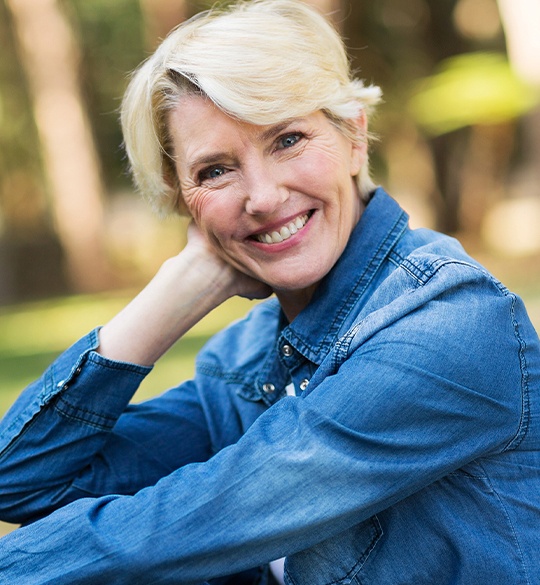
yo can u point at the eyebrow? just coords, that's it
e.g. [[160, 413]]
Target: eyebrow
[[209, 159], [218, 157], [278, 128]]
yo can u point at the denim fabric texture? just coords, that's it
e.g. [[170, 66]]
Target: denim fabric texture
[[410, 454]]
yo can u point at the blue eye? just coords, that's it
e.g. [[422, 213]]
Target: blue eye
[[289, 140], [211, 173], [216, 172]]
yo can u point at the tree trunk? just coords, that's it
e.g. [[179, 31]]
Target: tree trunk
[[50, 58], [520, 21]]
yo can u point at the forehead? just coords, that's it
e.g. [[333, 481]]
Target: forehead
[[196, 119], [202, 132]]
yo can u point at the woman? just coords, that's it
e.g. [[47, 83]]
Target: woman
[[376, 422]]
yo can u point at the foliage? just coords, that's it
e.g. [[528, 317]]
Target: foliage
[[419, 44], [475, 88], [111, 40], [20, 162]]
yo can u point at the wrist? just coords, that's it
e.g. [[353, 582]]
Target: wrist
[[185, 289], [199, 274]]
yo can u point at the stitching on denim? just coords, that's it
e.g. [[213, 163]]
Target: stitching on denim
[[245, 385], [67, 410], [44, 398], [377, 533], [510, 524], [15, 439], [522, 429], [99, 360], [362, 283], [341, 348], [433, 268], [395, 258], [216, 372]]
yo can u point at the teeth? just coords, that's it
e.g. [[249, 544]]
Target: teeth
[[284, 232]]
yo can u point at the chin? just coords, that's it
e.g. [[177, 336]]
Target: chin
[[296, 283]]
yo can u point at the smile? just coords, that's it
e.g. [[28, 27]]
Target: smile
[[285, 232]]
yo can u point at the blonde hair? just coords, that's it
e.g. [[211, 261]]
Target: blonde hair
[[261, 61]]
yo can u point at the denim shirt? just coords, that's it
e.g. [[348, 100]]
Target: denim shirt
[[389, 435]]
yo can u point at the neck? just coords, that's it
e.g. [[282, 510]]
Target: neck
[[294, 302]]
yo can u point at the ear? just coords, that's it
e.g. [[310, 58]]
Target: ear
[[359, 146]]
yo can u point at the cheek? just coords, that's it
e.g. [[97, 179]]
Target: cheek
[[210, 213], [320, 171], [197, 202]]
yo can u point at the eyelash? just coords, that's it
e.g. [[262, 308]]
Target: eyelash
[[204, 174], [297, 135]]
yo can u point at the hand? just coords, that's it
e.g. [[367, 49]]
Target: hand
[[185, 289], [231, 279]]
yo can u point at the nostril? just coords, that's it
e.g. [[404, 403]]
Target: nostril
[[265, 201]]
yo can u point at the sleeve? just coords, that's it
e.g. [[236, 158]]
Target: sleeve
[[72, 434], [415, 399]]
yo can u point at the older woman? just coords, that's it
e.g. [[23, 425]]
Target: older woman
[[377, 422]]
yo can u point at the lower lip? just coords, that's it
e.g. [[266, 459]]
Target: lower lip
[[289, 242]]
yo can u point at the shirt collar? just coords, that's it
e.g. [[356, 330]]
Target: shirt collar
[[314, 331]]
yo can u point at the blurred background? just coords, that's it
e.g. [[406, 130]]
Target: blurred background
[[459, 131], [458, 146]]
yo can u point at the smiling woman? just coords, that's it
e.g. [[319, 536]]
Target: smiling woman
[[367, 424], [226, 57], [278, 202]]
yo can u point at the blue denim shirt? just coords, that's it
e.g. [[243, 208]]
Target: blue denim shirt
[[410, 453]]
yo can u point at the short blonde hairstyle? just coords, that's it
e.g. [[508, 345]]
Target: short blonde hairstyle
[[261, 61]]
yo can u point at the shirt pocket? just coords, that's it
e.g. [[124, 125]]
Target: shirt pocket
[[336, 561]]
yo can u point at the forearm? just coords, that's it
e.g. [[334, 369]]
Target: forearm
[[186, 288], [200, 522], [60, 424]]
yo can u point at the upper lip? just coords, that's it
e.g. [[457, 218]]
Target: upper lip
[[277, 224]]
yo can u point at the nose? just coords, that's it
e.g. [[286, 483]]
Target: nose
[[265, 191]]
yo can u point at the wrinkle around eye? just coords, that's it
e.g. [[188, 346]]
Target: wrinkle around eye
[[295, 149]]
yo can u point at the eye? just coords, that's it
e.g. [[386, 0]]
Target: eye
[[289, 140], [210, 173]]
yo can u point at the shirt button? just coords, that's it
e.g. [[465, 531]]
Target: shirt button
[[269, 388], [304, 384], [287, 350]]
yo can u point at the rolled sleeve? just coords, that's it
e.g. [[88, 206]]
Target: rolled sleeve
[[79, 397]]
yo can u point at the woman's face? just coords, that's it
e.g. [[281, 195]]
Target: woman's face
[[278, 202]]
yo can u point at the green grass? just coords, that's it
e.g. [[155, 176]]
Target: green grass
[[32, 335]]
